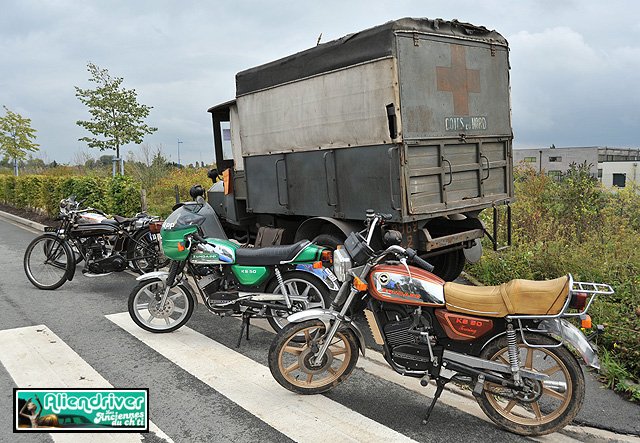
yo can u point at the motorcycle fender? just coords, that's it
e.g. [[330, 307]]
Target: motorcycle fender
[[71, 263], [325, 316], [162, 275], [572, 335]]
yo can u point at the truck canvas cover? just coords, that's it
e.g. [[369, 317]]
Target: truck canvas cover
[[415, 113]]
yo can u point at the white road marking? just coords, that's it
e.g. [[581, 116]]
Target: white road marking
[[35, 357], [250, 385]]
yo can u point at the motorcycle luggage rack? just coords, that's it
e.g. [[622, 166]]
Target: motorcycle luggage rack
[[591, 289]]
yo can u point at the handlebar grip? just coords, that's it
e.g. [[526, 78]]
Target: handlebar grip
[[197, 237], [413, 256]]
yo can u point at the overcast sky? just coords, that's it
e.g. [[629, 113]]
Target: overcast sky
[[575, 65]]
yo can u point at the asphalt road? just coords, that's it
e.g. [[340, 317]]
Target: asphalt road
[[193, 402]]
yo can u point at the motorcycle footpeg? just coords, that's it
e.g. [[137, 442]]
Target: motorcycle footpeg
[[479, 386]]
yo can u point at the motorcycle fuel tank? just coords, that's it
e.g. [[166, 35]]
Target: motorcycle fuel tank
[[216, 252], [406, 285]]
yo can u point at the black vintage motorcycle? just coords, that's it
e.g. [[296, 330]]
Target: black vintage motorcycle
[[509, 343], [106, 245]]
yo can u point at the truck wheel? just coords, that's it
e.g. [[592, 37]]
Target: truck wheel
[[330, 241], [448, 266]]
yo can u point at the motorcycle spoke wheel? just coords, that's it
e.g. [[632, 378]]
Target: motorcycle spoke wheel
[[550, 404], [146, 311], [297, 283], [45, 262], [292, 363], [147, 255]]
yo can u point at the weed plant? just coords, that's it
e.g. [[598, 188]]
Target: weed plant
[[576, 226]]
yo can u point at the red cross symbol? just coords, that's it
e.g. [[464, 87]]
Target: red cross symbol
[[459, 80]]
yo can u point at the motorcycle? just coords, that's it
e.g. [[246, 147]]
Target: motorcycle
[[270, 282], [509, 343], [106, 245]]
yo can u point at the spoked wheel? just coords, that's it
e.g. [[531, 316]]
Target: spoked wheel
[[146, 311], [549, 405], [293, 364], [146, 255], [46, 261], [297, 283]]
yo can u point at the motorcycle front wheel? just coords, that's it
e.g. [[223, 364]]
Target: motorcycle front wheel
[[46, 261], [292, 363], [551, 404], [146, 311], [297, 283]]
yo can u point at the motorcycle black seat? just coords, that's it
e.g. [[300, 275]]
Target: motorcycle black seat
[[123, 220], [269, 255]]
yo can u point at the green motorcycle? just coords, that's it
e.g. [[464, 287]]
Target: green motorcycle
[[271, 282]]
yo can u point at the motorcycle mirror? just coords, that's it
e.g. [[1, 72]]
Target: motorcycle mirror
[[213, 174]]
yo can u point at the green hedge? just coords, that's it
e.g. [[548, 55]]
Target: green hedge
[[119, 195]]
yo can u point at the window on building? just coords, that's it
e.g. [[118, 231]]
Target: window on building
[[600, 174], [619, 180], [555, 175], [555, 159], [530, 159]]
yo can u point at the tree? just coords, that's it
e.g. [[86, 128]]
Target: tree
[[116, 115], [16, 137]]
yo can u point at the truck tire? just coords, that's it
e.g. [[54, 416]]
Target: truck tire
[[448, 266], [331, 241]]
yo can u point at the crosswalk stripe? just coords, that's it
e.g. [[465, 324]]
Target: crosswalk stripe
[[250, 385], [35, 357]]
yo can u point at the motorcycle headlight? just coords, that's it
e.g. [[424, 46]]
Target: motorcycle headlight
[[341, 263]]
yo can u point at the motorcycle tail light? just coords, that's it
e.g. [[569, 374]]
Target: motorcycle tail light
[[578, 300]]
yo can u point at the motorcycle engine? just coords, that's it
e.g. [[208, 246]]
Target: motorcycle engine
[[407, 349], [113, 263]]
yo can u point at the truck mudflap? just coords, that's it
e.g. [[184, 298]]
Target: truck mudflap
[[326, 316]]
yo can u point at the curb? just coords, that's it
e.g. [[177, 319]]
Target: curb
[[22, 221]]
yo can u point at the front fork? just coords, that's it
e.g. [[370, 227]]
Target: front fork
[[340, 318], [174, 269]]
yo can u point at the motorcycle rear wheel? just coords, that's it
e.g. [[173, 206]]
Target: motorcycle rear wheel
[[147, 256], [145, 310], [291, 364], [297, 283], [547, 409], [45, 262]]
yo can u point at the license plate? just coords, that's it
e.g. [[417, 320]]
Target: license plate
[[50, 229]]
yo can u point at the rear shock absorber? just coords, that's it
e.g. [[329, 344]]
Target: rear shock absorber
[[512, 343]]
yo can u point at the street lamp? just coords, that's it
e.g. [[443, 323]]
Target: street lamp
[[179, 153]]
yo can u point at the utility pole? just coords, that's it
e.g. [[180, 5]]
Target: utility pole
[[179, 153]]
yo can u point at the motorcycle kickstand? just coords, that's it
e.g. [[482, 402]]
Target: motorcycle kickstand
[[440, 382], [246, 321]]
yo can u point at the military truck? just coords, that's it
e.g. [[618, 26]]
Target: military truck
[[411, 118]]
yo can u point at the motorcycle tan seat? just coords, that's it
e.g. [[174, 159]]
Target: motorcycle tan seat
[[269, 255], [524, 297]]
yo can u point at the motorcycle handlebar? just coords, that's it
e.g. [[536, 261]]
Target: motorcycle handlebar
[[413, 256]]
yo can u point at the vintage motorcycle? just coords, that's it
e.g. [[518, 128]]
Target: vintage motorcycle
[[106, 245], [270, 282], [509, 343]]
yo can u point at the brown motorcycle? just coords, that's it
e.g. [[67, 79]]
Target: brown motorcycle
[[508, 342]]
